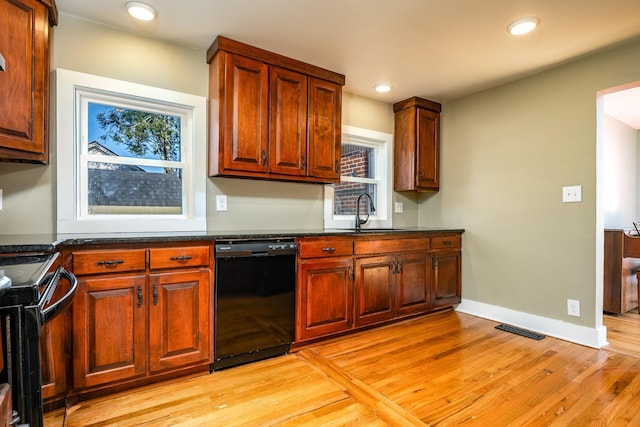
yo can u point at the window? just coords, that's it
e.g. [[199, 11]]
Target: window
[[130, 157], [365, 167]]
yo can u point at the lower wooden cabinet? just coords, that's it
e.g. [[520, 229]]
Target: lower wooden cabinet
[[324, 297], [445, 278], [109, 334], [413, 284], [55, 350], [178, 319], [446, 270], [391, 286], [147, 318], [348, 283], [374, 287]]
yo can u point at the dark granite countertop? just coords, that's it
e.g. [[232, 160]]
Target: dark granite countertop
[[44, 243]]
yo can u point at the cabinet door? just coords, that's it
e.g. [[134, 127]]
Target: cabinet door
[[288, 123], [427, 149], [245, 114], [24, 85], [374, 290], [55, 348], [412, 284], [178, 319], [325, 130], [109, 329], [324, 297], [446, 278]]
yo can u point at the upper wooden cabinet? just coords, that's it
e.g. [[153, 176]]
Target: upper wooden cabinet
[[272, 117], [24, 83], [416, 145]]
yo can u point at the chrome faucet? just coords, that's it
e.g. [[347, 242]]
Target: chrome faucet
[[372, 208]]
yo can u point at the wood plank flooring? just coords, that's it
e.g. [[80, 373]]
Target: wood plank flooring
[[623, 332], [444, 369]]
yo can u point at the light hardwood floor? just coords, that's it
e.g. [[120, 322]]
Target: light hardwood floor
[[623, 332], [444, 369]]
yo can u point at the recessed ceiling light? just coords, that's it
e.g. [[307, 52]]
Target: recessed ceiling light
[[522, 26], [140, 11], [382, 87]]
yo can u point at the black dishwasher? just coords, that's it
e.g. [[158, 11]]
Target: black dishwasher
[[254, 314]]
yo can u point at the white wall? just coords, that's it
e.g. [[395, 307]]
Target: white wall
[[620, 170]]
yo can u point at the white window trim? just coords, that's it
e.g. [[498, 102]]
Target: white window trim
[[383, 217], [70, 218]]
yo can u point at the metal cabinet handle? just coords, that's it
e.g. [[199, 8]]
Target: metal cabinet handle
[[447, 242], [328, 249], [434, 263], [337, 166], [139, 296], [351, 273], [303, 161], [155, 294], [111, 262], [181, 258], [264, 158]]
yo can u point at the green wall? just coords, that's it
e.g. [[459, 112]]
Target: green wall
[[506, 154]]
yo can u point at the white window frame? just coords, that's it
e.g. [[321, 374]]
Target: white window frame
[[74, 91], [383, 144]]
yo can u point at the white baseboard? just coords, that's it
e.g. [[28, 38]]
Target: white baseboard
[[590, 337]]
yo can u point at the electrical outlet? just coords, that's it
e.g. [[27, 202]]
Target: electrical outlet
[[573, 307], [399, 207], [572, 194], [221, 202]]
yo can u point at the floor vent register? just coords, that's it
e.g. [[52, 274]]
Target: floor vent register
[[520, 331]]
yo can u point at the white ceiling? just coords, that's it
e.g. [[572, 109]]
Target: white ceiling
[[436, 49]]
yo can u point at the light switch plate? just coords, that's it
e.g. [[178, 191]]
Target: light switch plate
[[399, 207], [572, 194], [221, 202]]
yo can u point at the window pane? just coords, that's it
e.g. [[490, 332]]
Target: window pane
[[358, 161], [130, 189], [346, 194], [121, 131]]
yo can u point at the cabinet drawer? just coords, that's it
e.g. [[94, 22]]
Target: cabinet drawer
[[188, 256], [446, 242], [383, 246], [324, 247], [108, 261]]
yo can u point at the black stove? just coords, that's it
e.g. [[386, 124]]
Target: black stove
[[27, 284], [26, 274]]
